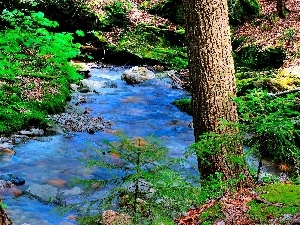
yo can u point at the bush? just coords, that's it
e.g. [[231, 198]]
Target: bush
[[253, 57], [35, 66], [71, 15], [273, 126]]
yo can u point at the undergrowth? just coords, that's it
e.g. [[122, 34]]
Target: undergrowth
[[35, 71]]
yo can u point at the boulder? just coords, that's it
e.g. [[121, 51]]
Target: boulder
[[136, 75], [288, 78], [44, 193], [13, 179]]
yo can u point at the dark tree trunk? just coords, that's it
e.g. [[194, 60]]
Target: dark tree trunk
[[281, 10], [212, 76], [4, 220]]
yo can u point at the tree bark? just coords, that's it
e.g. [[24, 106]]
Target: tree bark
[[281, 10], [212, 76], [4, 220]]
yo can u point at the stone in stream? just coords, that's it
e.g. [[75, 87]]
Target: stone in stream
[[44, 193], [13, 179], [137, 75]]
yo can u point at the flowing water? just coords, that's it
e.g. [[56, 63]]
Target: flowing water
[[140, 110]]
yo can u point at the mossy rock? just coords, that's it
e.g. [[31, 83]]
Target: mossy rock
[[153, 44], [252, 57], [247, 80], [241, 10], [184, 105], [288, 78]]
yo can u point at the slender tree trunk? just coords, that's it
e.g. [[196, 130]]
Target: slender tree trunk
[[281, 8], [212, 76], [4, 220]]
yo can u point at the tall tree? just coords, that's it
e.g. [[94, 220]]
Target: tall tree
[[212, 76]]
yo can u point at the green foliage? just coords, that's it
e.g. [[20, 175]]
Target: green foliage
[[247, 80], [227, 138], [150, 42], [240, 10], [145, 182], [71, 15], [170, 9], [115, 15], [287, 195], [28, 49], [184, 104], [252, 57], [273, 125]]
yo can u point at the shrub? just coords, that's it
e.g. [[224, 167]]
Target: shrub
[[33, 59], [273, 126]]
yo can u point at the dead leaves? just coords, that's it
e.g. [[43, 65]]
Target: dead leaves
[[234, 209], [270, 30]]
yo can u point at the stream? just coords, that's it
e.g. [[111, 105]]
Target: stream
[[138, 111]]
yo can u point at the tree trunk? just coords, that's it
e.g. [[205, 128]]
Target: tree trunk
[[4, 220], [212, 76], [281, 8]]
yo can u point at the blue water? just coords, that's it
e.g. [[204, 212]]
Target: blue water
[[140, 110]]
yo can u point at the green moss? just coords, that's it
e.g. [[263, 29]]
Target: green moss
[[253, 57], [210, 215], [150, 42], [288, 195], [184, 104], [170, 9], [239, 10]]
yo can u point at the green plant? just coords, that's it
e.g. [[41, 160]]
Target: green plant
[[184, 104], [285, 196], [116, 15], [34, 64], [145, 183], [272, 124]]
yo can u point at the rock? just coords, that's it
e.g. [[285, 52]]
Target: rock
[[137, 75], [7, 151], [5, 184], [288, 78], [72, 196], [80, 122], [37, 131], [74, 87], [17, 139], [110, 217], [296, 219], [44, 193], [81, 67], [13, 179], [83, 90], [26, 132], [73, 191], [96, 86], [159, 68]]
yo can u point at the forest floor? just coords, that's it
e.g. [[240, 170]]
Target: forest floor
[[271, 31]]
